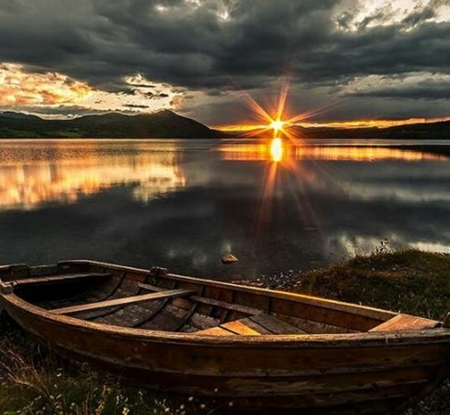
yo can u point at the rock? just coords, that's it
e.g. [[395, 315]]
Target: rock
[[229, 259]]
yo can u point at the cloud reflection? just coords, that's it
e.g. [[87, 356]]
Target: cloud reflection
[[64, 172], [298, 213]]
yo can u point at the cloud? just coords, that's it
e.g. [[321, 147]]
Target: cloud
[[418, 85], [48, 91], [18, 88], [219, 47]]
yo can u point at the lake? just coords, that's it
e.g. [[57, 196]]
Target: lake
[[279, 207]]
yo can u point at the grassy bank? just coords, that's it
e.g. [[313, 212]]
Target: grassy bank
[[410, 281], [34, 382]]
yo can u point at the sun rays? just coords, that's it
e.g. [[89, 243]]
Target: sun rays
[[275, 120], [285, 175]]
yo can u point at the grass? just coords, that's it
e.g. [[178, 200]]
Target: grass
[[34, 382], [410, 281]]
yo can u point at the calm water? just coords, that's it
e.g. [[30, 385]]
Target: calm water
[[183, 204]]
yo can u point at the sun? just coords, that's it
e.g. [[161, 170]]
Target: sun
[[277, 125]]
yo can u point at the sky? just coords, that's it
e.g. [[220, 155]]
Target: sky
[[328, 61]]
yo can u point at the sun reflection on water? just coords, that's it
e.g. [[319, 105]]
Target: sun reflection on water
[[281, 150], [276, 150], [291, 170]]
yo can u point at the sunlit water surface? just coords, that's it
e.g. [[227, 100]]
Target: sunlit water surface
[[182, 204]]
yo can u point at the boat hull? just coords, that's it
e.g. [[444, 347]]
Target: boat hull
[[370, 376], [353, 372]]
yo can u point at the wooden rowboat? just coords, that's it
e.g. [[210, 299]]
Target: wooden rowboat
[[262, 350]]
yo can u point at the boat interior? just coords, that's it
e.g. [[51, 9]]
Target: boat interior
[[157, 300]]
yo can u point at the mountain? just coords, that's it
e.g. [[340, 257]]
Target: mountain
[[167, 124], [423, 131], [18, 115], [163, 124]]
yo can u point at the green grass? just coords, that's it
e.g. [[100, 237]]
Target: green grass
[[15, 133], [34, 382], [410, 281]]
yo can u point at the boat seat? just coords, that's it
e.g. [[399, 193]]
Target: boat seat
[[405, 322], [122, 301], [210, 301], [253, 326]]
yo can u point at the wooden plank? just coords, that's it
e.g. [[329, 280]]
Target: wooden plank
[[255, 326], [234, 307], [210, 301], [57, 278], [313, 327], [275, 325], [249, 327], [202, 321], [216, 331], [121, 301], [149, 287], [405, 322], [312, 302], [165, 321], [239, 327]]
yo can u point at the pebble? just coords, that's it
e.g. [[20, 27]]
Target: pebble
[[229, 259]]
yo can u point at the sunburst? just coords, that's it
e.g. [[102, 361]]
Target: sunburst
[[275, 123], [278, 119]]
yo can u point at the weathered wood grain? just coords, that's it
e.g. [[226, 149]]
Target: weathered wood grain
[[406, 322], [121, 301], [239, 327], [275, 325], [57, 278], [216, 331]]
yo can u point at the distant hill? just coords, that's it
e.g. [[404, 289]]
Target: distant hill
[[167, 124], [163, 124], [423, 131]]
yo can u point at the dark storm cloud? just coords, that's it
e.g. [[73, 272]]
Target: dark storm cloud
[[425, 92], [221, 46], [135, 106]]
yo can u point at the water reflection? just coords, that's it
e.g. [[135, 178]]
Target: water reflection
[[276, 149], [183, 204], [34, 173]]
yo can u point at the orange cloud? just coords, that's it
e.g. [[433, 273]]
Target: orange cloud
[[20, 88]]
